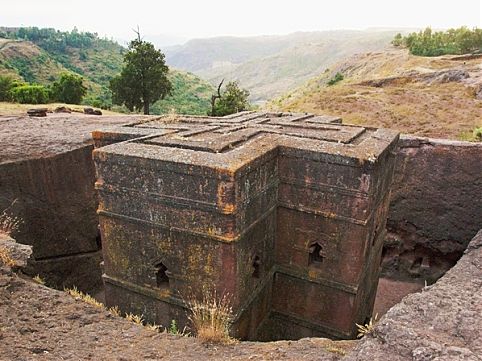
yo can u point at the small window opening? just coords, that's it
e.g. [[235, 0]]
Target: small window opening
[[98, 239], [162, 276], [316, 254], [256, 267], [375, 234]]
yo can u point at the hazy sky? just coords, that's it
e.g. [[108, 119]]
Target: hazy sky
[[178, 20]]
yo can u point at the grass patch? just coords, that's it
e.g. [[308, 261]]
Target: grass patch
[[472, 136], [210, 317], [79, 295], [367, 328], [8, 223], [7, 108], [39, 280], [6, 258]]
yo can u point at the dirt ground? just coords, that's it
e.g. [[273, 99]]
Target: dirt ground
[[38, 323]]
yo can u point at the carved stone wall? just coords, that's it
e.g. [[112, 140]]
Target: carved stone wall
[[284, 212]]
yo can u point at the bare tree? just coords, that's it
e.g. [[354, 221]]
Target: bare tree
[[216, 96]]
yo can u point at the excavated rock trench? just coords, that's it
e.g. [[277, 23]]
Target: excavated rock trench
[[47, 180], [442, 322]]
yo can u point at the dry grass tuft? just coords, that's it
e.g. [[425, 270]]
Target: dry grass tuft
[[79, 295], [171, 117], [153, 327], [39, 280], [115, 311], [135, 318], [367, 328], [5, 258], [9, 224], [210, 317], [340, 348], [336, 350]]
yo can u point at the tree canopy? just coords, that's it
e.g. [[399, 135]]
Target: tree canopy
[[232, 100], [453, 41], [143, 79], [69, 88]]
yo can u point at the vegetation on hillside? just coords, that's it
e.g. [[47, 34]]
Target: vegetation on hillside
[[189, 95], [40, 56], [427, 96], [232, 100], [270, 65], [434, 43], [336, 79], [69, 88], [143, 79]]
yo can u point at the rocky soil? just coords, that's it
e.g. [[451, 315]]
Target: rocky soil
[[441, 323], [38, 323]]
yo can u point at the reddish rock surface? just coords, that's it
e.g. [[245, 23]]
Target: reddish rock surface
[[47, 180], [440, 323], [39, 323], [284, 212], [435, 206]]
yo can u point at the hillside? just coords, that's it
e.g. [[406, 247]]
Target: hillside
[[436, 97], [97, 61], [270, 65]]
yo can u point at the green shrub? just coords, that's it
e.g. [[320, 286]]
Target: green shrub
[[477, 133], [337, 78], [6, 85], [69, 89], [30, 94]]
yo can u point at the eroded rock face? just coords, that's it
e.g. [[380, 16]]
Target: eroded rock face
[[18, 253], [434, 208], [47, 180], [441, 323]]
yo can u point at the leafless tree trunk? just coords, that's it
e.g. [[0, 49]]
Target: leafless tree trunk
[[216, 96]]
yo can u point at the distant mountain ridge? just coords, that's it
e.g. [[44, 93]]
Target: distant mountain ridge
[[270, 65]]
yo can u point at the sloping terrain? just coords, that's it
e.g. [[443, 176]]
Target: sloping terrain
[[269, 65], [97, 63], [438, 97]]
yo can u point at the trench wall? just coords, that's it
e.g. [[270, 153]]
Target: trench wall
[[55, 199], [435, 206], [435, 210]]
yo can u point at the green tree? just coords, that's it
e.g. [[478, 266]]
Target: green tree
[[6, 85], [143, 80], [232, 100], [434, 43], [337, 78], [69, 89], [397, 40]]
